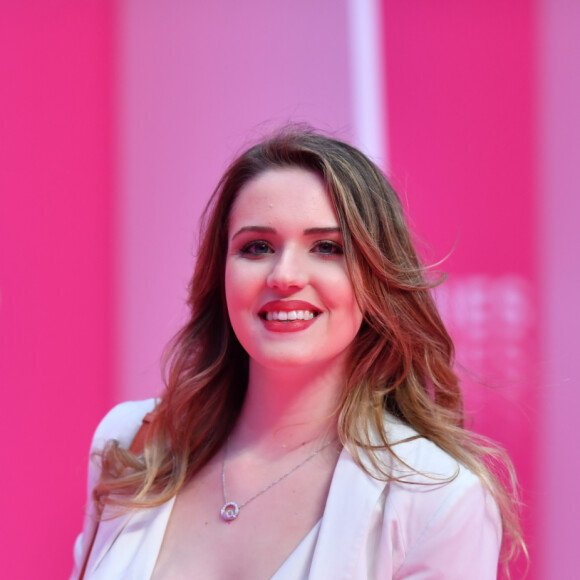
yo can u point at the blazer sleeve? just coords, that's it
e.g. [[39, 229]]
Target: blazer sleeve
[[121, 424], [461, 539]]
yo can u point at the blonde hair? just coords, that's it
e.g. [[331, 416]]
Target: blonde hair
[[400, 361]]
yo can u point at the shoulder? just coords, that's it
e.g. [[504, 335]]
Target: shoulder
[[415, 465], [425, 469], [416, 454], [438, 506], [122, 422]]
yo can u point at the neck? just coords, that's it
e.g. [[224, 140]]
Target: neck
[[288, 408]]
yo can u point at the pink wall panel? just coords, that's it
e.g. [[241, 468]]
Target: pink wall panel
[[558, 22], [55, 284], [192, 81], [460, 79], [198, 81]]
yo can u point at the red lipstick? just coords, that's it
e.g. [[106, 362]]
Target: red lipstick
[[288, 315]]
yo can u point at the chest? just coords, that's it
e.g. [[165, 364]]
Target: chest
[[198, 543]]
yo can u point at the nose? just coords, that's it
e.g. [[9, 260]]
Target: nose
[[288, 271]]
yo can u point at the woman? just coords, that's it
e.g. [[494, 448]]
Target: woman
[[312, 424]]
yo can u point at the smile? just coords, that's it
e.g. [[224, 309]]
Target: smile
[[286, 316]]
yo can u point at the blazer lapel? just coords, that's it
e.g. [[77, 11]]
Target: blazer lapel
[[133, 540], [352, 498], [108, 531]]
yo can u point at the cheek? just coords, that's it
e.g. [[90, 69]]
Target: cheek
[[356, 317], [354, 312], [232, 286], [341, 299], [234, 299], [240, 285]]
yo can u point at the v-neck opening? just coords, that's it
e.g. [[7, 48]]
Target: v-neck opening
[[306, 545], [287, 569]]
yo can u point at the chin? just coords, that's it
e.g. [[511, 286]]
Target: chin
[[284, 362], [303, 359]]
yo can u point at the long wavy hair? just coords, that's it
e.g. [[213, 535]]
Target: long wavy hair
[[400, 361]]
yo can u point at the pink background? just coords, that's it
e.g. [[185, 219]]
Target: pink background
[[116, 120]]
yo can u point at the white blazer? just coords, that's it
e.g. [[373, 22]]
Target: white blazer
[[417, 530]]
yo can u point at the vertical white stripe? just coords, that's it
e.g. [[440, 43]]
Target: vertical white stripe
[[368, 80]]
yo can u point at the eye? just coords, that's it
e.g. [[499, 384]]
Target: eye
[[327, 248], [256, 248]]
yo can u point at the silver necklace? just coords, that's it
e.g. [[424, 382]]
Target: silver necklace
[[231, 509]]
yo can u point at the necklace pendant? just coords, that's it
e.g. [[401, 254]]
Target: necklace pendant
[[230, 511]]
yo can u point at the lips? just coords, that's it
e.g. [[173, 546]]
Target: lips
[[288, 310], [288, 315]]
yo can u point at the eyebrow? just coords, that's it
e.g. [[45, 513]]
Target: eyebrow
[[269, 230]]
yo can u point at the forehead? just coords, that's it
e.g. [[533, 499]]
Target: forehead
[[283, 195]]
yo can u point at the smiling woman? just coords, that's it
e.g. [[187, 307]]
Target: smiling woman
[[288, 293], [311, 402]]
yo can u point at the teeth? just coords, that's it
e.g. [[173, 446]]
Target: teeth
[[285, 315]]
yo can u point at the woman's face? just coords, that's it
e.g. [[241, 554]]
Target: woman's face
[[288, 293]]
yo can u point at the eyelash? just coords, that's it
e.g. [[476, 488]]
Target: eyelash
[[336, 248], [246, 250]]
